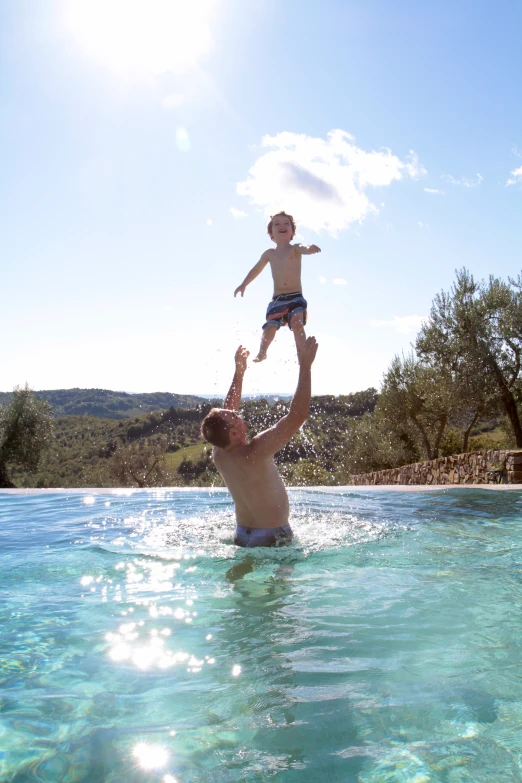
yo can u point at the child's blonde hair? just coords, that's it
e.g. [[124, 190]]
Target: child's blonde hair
[[271, 224]]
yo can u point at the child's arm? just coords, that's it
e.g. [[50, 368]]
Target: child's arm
[[307, 250], [254, 272]]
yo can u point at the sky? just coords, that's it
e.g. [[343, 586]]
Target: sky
[[145, 143]]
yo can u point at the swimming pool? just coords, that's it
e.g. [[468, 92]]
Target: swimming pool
[[138, 643]]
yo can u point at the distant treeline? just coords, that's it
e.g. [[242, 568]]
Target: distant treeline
[[164, 447], [108, 404]]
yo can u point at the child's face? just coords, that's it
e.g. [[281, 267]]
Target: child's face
[[282, 230]]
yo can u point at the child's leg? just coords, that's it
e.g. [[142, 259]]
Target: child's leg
[[268, 336], [297, 326]]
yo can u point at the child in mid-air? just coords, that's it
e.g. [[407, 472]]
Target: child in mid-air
[[288, 305]]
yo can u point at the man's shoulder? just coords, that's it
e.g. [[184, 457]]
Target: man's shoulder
[[236, 451]]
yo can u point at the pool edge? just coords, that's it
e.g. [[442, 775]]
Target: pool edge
[[343, 488]]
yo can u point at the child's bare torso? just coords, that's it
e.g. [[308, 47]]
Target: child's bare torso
[[285, 263]]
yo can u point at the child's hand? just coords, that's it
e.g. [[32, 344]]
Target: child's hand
[[240, 288], [308, 250]]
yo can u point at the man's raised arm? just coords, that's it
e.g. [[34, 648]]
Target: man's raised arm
[[270, 441], [233, 398]]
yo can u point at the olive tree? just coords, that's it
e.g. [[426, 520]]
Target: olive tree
[[476, 330], [371, 444], [141, 463], [419, 396], [25, 428]]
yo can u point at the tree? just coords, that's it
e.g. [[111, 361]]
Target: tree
[[199, 472], [141, 464], [419, 394], [477, 395], [370, 444], [25, 427], [476, 329]]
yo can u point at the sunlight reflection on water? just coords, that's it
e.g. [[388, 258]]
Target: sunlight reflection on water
[[151, 756]]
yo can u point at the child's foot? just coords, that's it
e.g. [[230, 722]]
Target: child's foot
[[261, 356]]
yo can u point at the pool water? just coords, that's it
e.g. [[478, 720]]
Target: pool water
[[137, 643]]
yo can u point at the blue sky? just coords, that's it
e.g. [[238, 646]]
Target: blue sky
[[142, 150]]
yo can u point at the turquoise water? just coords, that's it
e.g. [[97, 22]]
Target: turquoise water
[[138, 643]]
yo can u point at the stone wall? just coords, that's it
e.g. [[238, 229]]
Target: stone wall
[[491, 466]]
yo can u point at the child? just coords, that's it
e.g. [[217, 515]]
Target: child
[[288, 305]]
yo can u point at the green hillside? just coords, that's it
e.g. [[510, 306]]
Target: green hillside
[[108, 404], [93, 451], [164, 448]]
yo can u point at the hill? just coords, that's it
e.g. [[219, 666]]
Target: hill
[[164, 448], [109, 404]]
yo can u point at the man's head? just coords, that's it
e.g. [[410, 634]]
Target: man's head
[[281, 227], [224, 428]]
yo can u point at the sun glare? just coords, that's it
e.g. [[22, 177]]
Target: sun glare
[[151, 756], [140, 39]]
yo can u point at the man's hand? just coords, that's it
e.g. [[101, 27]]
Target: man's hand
[[241, 359], [240, 289], [313, 249], [307, 352], [233, 398]]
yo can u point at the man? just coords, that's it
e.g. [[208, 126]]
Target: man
[[248, 468]]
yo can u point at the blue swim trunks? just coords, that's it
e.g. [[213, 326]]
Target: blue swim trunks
[[283, 307], [263, 536]]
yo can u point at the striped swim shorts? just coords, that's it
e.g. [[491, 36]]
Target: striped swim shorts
[[283, 307]]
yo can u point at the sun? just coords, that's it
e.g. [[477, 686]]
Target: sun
[[140, 39]]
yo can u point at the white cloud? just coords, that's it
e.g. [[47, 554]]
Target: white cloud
[[434, 190], [322, 182], [173, 100], [421, 224], [209, 221], [464, 181], [238, 213], [516, 177], [322, 280], [339, 281], [406, 324]]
